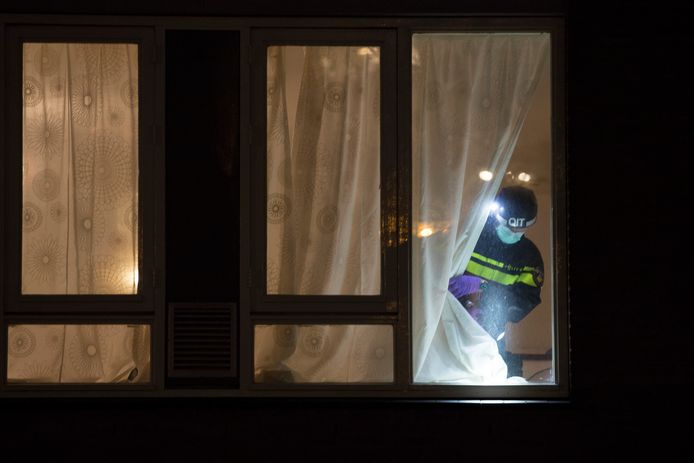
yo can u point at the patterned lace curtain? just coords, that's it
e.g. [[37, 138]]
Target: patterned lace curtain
[[323, 212], [80, 169], [78, 354], [471, 93]]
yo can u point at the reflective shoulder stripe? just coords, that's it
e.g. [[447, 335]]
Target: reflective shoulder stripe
[[491, 274], [498, 276], [487, 260]]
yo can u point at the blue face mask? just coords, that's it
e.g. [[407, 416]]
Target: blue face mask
[[508, 236]]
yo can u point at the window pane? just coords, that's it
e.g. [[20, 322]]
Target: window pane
[[323, 354], [78, 354], [481, 178], [80, 168], [323, 170]]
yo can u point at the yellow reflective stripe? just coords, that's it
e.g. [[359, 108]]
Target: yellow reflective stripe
[[488, 260], [528, 279], [502, 265], [498, 276], [491, 274]]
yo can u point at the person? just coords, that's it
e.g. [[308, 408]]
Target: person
[[503, 280]]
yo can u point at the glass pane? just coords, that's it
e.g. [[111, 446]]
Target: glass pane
[[323, 354], [78, 354], [323, 170], [80, 168], [482, 238]]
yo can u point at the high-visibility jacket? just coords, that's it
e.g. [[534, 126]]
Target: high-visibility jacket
[[514, 274]]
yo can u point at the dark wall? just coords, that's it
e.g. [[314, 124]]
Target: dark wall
[[629, 135], [202, 226], [629, 146], [280, 8]]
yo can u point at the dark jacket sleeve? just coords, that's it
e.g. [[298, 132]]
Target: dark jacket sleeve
[[522, 298], [514, 302]]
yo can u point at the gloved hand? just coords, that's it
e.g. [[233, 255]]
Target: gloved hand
[[462, 285]]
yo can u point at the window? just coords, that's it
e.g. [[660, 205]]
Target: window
[[472, 94], [80, 168], [364, 208], [319, 354], [81, 354], [327, 153], [85, 163], [78, 302]]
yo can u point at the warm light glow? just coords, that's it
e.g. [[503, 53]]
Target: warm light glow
[[424, 232], [486, 175], [524, 177], [415, 58], [135, 278], [364, 51], [425, 229]]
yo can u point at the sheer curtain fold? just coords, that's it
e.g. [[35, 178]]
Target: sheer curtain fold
[[470, 96]]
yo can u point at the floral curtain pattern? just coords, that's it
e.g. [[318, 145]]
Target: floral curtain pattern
[[323, 174], [323, 212], [78, 353], [324, 353], [80, 168]]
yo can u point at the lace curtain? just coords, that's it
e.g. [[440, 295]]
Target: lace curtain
[[80, 169], [323, 212], [323, 177], [324, 353], [78, 353], [471, 93]]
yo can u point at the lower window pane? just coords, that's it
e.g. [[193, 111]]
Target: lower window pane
[[323, 354], [81, 354]]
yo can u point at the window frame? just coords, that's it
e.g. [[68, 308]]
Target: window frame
[[252, 309], [143, 301], [559, 219], [77, 388], [299, 388], [386, 302]]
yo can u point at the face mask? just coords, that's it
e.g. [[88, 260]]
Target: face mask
[[506, 235]]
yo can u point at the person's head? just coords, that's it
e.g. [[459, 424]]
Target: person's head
[[516, 211]]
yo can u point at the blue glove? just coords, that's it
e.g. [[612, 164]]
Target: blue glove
[[462, 285]]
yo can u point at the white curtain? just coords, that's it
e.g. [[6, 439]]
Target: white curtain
[[78, 354], [471, 93], [324, 353], [323, 211], [323, 177], [80, 169]]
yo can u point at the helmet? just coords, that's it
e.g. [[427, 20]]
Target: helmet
[[517, 207]]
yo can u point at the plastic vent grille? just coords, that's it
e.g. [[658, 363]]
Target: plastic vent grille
[[202, 340]]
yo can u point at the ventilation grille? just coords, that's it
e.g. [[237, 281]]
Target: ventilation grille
[[202, 340]]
